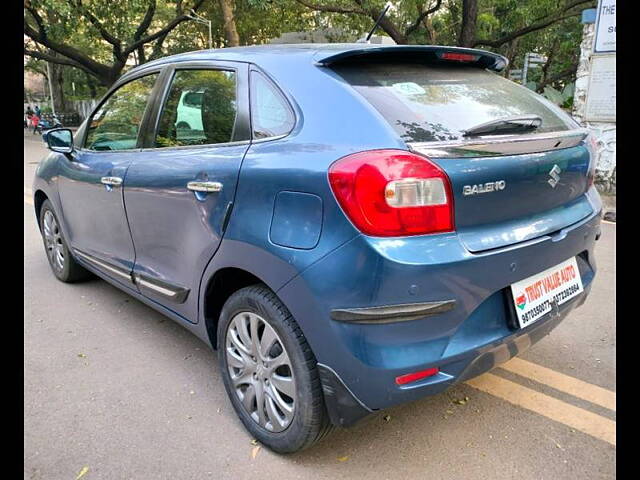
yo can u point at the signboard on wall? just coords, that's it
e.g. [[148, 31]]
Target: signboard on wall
[[606, 27], [601, 96]]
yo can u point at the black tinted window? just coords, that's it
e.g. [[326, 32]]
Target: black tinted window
[[115, 125], [200, 109], [436, 103], [270, 112]]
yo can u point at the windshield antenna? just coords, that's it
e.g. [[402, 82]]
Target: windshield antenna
[[386, 7]]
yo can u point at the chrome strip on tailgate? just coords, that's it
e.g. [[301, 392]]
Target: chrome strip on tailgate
[[496, 145]]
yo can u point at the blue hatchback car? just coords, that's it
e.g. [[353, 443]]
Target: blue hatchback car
[[350, 226]]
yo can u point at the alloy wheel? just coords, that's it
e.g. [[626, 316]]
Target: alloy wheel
[[260, 371], [53, 240]]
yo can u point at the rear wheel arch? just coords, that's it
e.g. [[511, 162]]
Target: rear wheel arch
[[222, 284]]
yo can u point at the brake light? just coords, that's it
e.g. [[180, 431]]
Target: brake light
[[390, 193], [459, 57], [592, 147]]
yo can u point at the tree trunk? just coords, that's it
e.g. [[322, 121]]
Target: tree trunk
[[469, 19], [511, 53], [388, 26], [431, 32], [142, 58], [92, 86], [57, 85], [230, 32]]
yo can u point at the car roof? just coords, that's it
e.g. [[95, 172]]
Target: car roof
[[254, 53], [318, 53]]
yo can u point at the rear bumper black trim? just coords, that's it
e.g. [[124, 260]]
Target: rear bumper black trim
[[343, 407], [391, 313]]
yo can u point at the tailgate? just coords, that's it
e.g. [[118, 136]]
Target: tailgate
[[500, 200], [508, 184]]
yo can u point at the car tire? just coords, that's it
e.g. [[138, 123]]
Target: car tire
[[183, 125], [62, 263], [279, 340]]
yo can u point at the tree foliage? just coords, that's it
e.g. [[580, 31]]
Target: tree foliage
[[99, 36], [98, 39]]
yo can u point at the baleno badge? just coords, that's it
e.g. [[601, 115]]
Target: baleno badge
[[555, 176], [484, 187]]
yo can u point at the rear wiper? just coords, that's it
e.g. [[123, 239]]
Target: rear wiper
[[504, 125]]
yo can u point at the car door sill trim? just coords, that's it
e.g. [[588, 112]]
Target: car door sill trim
[[119, 271], [175, 293]]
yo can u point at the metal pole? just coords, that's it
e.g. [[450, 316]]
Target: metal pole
[[210, 44], [524, 69], [53, 108], [382, 14]]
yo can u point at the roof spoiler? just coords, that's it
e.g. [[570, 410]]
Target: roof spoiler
[[421, 53]]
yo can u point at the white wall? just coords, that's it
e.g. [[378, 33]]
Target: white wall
[[605, 132]]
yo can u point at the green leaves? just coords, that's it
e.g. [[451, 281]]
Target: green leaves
[[82, 26]]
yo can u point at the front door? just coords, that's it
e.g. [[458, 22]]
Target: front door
[[90, 181], [179, 191]]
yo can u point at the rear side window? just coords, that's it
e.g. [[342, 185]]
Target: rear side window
[[199, 110], [115, 125], [270, 112], [437, 103]]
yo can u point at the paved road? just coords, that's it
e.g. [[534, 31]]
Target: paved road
[[114, 390]]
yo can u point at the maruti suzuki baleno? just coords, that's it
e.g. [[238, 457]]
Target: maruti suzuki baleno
[[350, 226]]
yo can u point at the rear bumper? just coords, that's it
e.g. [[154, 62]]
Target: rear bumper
[[345, 409], [359, 362]]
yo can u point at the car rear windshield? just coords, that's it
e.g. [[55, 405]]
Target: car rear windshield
[[437, 103]]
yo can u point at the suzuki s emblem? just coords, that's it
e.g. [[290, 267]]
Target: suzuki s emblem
[[555, 176]]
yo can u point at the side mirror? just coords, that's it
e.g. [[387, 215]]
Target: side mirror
[[60, 140]]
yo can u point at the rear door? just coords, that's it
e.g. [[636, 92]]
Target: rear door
[[179, 191], [90, 181], [507, 186]]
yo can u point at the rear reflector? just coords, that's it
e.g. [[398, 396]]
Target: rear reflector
[[393, 193], [459, 57], [412, 377]]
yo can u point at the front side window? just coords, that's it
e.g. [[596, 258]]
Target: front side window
[[199, 110], [270, 113], [115, 125]]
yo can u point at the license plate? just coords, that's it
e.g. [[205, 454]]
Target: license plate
[[535, 296]]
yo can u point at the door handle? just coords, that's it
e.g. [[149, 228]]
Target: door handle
[[206, 187], [112, 181]]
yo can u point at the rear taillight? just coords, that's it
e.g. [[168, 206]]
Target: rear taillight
[[592, 147], [390, 193]]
